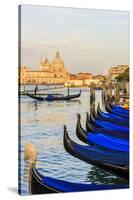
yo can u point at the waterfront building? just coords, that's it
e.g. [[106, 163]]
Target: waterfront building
[[85, 82], [48, 73], [55, 73], [74, 83], [99, 77], [83, 76], [116, 71], [88, 82]]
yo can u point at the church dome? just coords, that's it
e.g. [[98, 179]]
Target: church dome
[[46, 61], [58, 59], [45, 65]]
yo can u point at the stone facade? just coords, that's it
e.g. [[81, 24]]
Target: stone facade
[[49, 73]]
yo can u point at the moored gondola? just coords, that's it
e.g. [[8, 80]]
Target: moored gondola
[[117, 107], [117, 163], [110, 115], [102, 140], [108, 109], [109, 119], [106, 131], [55, 98], [105, 124], [40, 184]]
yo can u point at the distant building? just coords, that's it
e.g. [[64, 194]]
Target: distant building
[[73, 76], [88, 82], [74, 83], [84, 79], [83, 76], [49, 73], [115, 71], [99, 77], [55, 73], [85, 82]]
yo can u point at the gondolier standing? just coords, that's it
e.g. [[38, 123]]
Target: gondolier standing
[[36, 89]]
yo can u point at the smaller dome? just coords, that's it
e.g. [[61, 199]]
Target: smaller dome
[[58, 59], [45, 65], [46, 61]]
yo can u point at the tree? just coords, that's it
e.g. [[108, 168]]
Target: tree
[[124, 76]]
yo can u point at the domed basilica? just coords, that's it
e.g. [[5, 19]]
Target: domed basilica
[[49, 73], [56, 67]]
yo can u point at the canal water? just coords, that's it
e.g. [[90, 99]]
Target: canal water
[[42, 124]]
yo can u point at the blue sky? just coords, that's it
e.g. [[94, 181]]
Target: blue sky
[[88, 40]]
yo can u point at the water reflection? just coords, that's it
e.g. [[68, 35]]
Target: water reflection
[[100, 176], [37, 104]]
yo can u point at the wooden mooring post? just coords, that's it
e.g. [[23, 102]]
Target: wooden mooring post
[[117, 93], [92, 94]]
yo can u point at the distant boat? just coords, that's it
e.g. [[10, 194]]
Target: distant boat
[[51, 97]]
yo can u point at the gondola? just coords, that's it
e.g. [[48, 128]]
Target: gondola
[[55, 98], [120, 121], [108, 125], [117, 107], [110, 115], [100, 139], [116, 163], [91, 128], [108, 109], [109, 119], [40, 184]]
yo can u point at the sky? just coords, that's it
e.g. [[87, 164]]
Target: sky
[[88, 40]]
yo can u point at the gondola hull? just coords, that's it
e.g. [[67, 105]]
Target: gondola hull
[[38, 98], [117, 163], [92, 128], [101, 140], [108, 125], [109, 119], [116, 112], [110, 115], [45, 185], [55, 98], [36, 186]]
